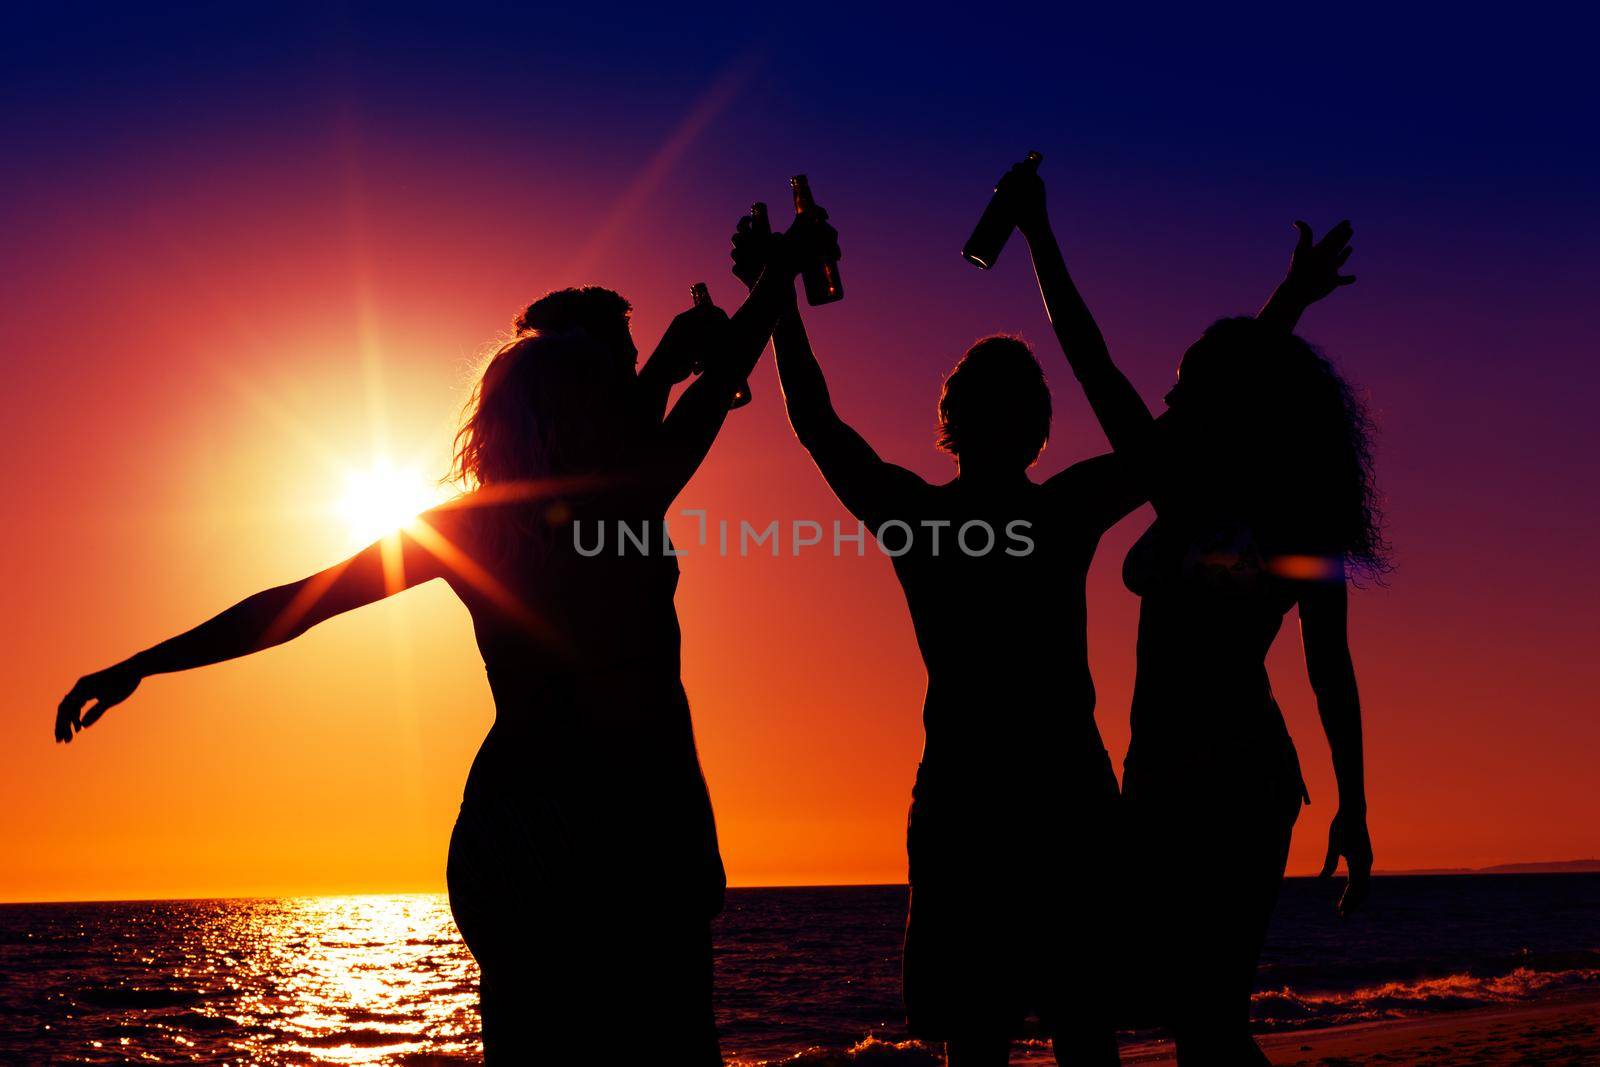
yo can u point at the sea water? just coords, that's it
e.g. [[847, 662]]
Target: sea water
[[804, 976]]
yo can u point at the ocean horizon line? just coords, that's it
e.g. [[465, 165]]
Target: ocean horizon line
[[1549, 867]]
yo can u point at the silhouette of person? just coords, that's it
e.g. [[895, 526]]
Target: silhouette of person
[[1261, 476], [584, 867], [604, 316], [1013, 818]]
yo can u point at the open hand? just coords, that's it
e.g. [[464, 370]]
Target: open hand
[[101, 692], [1314, 266], [1348, 837]]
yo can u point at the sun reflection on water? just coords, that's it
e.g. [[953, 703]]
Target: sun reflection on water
[[364, 979], [335, 980]]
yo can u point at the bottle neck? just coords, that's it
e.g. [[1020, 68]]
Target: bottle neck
[[802, 198]]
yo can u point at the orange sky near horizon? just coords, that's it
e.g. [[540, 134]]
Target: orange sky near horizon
[[202, 341]]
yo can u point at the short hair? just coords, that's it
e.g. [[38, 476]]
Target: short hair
[[997, 400], [589, 307]]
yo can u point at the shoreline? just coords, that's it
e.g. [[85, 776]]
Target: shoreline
[[1562, 1030]]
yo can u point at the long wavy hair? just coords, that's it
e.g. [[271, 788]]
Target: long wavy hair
[[547, 414], [1270, 430]]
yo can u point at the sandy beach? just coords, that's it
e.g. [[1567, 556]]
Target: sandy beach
[[1563, 1033]]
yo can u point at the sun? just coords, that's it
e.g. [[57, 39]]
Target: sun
[[383, 498]]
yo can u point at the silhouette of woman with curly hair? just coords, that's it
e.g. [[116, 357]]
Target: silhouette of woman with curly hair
[[1260, 473]]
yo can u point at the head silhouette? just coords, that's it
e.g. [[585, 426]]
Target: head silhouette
[[994, 412], [601, 313], [1266, 428], [547, 405]]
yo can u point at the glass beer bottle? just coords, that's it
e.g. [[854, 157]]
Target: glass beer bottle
[[700, 295], [760, 224], [994, 225], [821, 280]]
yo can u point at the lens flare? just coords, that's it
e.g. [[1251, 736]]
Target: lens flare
[[384, 498]]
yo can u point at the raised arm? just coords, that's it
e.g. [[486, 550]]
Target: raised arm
[[1324, 631], [864, 483], [729, 348], [1099, 492], [1313, 274], [1121, 411], [869, 487], [260, 621], [656, 378]]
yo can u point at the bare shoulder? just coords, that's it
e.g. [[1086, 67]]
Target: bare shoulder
[[455, 516]]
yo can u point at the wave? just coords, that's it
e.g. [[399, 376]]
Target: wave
[[875, 1051], [1287, 1008], [361, 1037], [1280, 1009], [870, 1051]]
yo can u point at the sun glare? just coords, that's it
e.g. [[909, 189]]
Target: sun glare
[[383, 498]]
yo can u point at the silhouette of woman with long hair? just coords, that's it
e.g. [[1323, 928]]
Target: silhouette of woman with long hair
[[1012, 824], [584, 867], [1261, 476]]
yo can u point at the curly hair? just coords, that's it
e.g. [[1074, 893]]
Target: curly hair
[[582, 308], [996, 400], [1288, 435]]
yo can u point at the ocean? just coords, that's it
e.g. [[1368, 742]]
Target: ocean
[[808, 977]]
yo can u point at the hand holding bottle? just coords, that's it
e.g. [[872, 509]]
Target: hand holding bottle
[[809, 243], [1024, 190], [1018, 201], [691, 335], [700, 297], [821, 274], [752, 245]]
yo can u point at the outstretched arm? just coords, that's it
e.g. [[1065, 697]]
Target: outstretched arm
[[261, 621], [1324, 631], [1313, 274]]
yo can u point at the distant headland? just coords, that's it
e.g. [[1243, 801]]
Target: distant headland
[[1547, 867]]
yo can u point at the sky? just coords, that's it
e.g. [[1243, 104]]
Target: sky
[[248, 257]]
